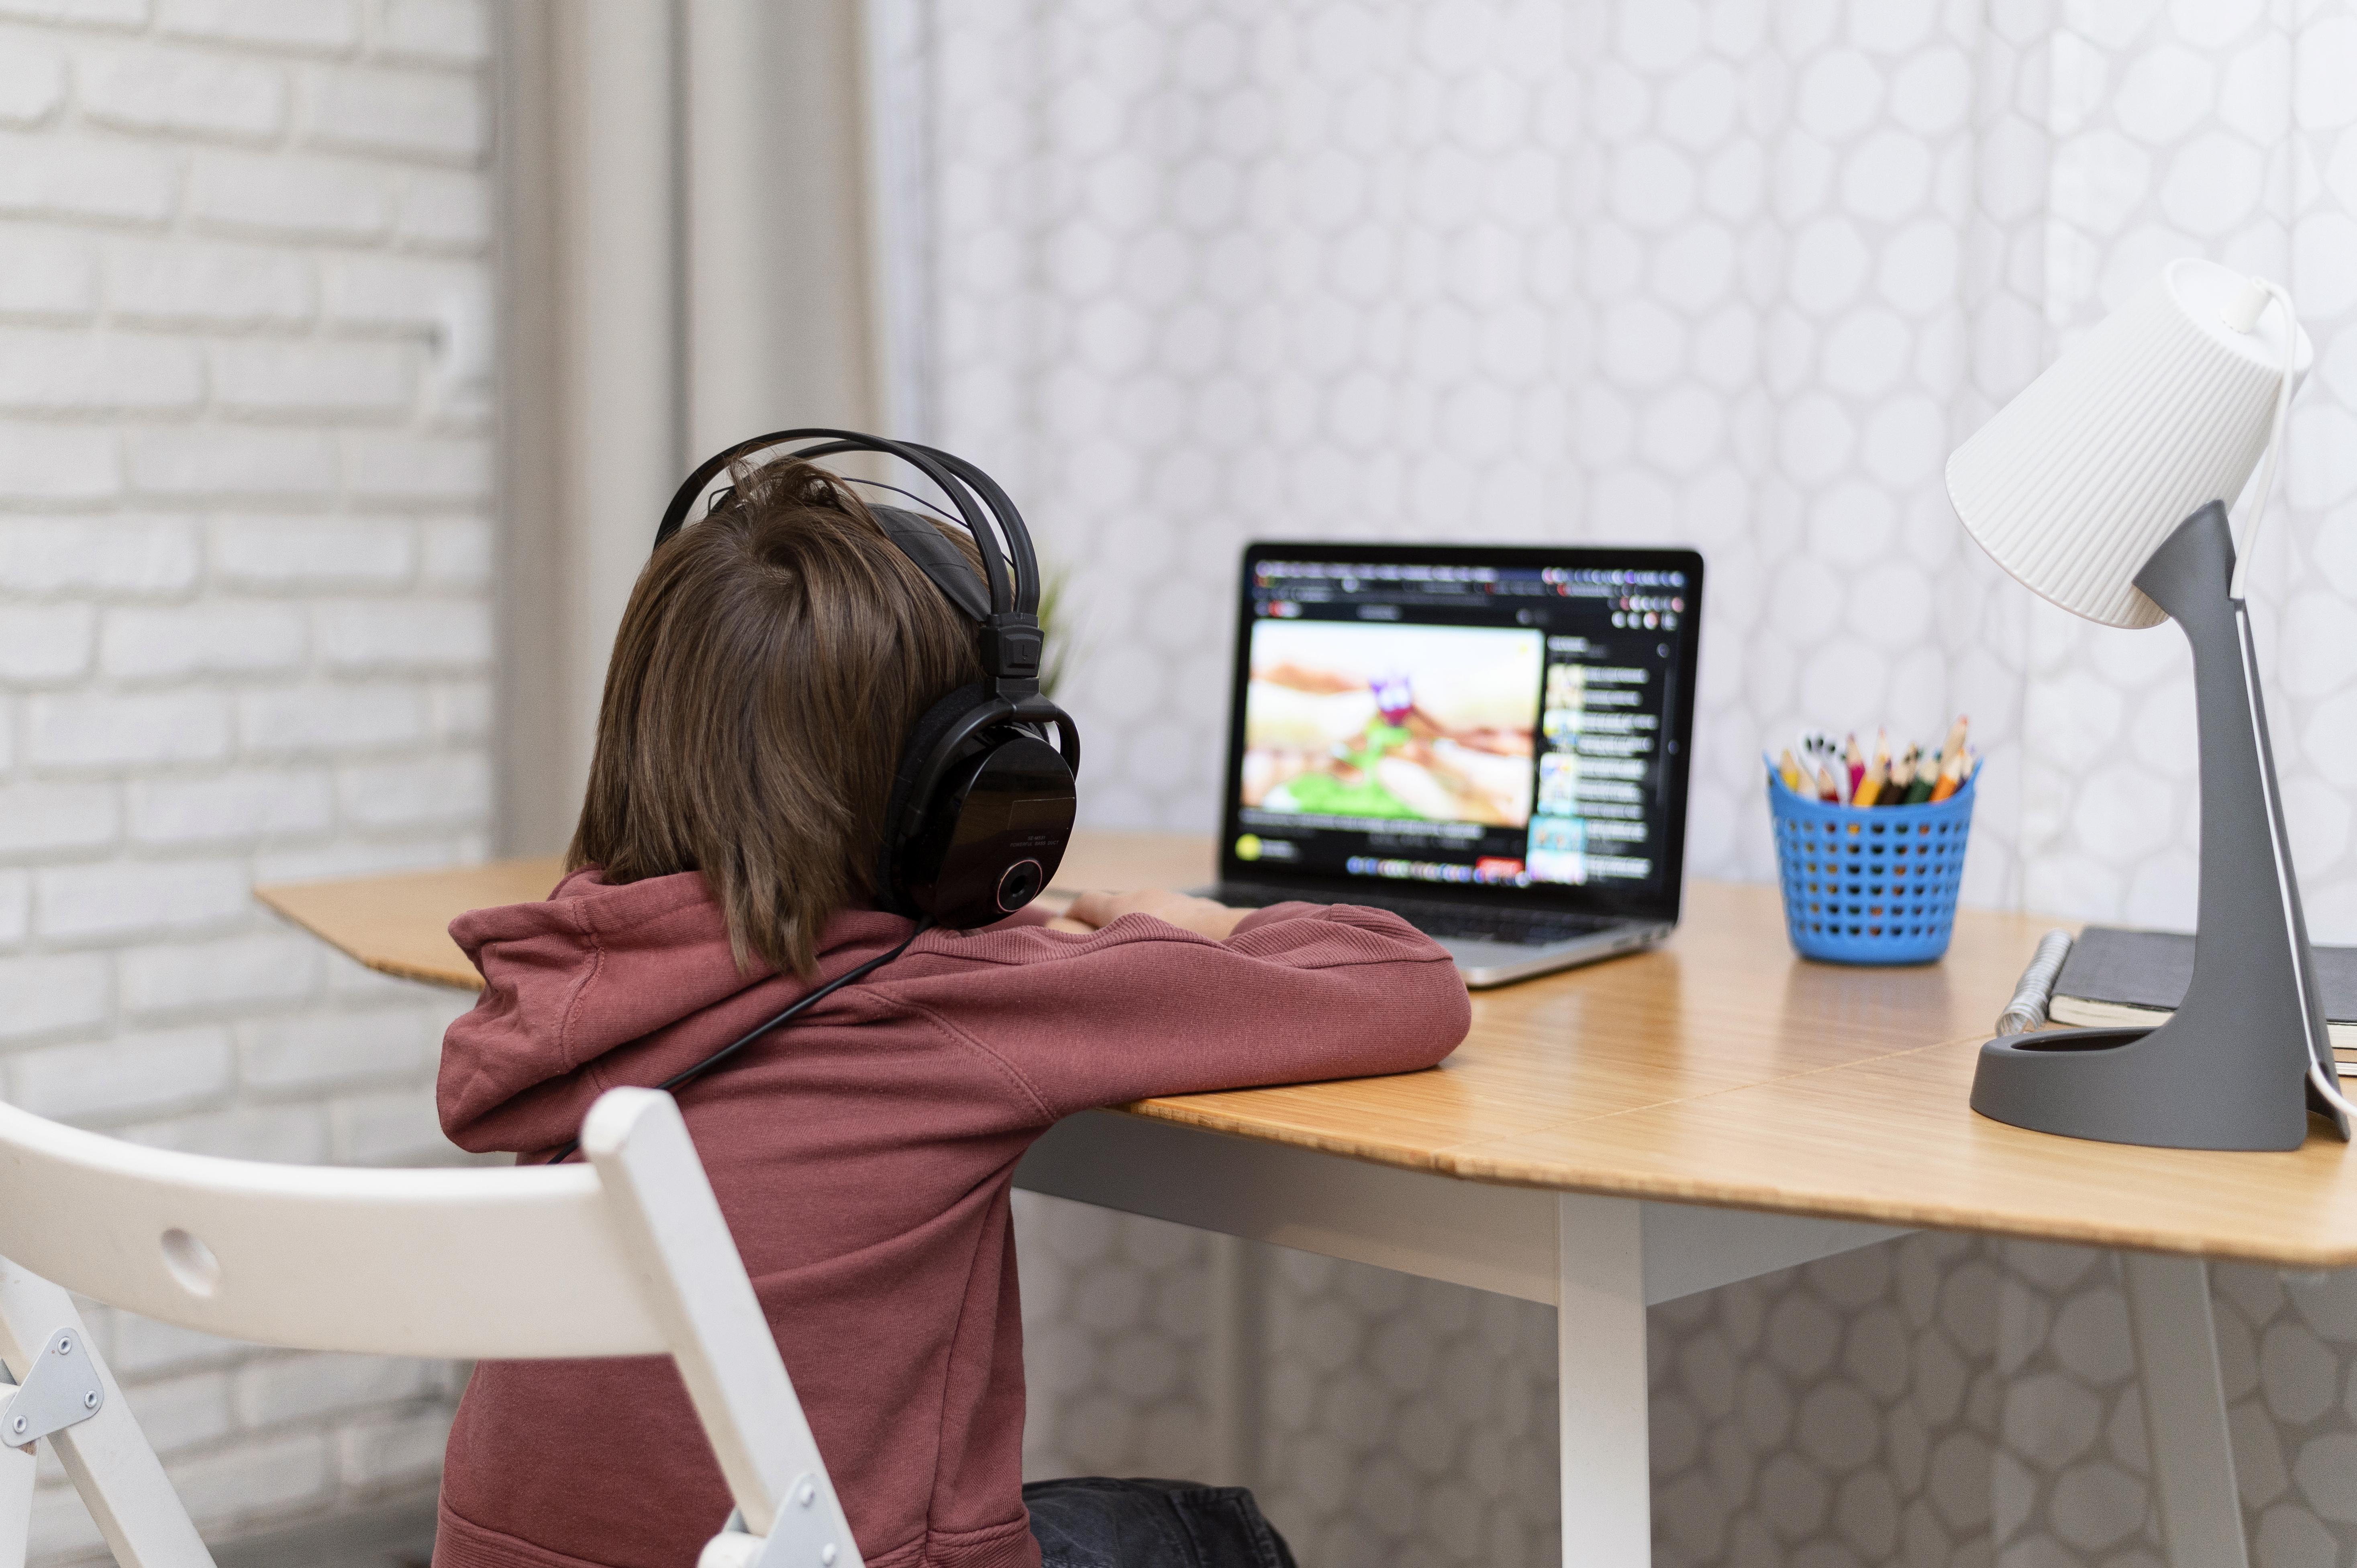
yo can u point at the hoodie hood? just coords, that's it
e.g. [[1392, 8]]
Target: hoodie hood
[[586, 972]]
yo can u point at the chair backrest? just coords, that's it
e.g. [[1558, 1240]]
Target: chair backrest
[[521, 1263], [627, 1255]]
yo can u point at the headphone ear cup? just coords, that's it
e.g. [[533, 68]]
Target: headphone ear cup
[[904, 819], [996, 833], [988, 836]]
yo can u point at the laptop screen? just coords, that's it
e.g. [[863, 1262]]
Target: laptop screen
[[1504, 724]]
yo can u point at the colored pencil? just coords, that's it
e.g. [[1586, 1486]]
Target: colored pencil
[[1877, 771], [1952, 776], [1902, 777]]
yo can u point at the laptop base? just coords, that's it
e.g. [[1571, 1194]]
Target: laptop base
[[1485, 964], [1483, 960]]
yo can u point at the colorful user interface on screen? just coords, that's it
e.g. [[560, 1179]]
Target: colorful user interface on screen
[[1457, 724], [1434, 722]]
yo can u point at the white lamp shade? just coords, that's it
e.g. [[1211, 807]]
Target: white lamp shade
[[2162, 408]]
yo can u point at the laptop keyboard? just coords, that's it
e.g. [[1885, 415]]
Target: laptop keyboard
[[1517, 928]]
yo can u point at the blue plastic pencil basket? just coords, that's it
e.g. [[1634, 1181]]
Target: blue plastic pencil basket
[[1869, 884]]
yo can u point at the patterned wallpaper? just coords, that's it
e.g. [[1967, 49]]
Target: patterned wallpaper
[[1736, 274], [2226, 129], [1647, 274]]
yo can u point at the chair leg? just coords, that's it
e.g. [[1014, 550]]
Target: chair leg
[[107, 1457], [18, 1470], [732, 1548]]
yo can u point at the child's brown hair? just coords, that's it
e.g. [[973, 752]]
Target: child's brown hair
[[772, 659]]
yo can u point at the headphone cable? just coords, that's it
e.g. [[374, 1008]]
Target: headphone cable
[[924, 924]]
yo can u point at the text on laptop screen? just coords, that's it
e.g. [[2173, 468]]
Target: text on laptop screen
[[1479, 726]]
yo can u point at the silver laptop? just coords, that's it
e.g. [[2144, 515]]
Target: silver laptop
[[1491, 741]]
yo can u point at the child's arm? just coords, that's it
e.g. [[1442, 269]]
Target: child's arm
[[1142, 1007], [1145, 1007], [1094, 911]]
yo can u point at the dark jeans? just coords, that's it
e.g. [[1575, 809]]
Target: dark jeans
[[1094, 1522]]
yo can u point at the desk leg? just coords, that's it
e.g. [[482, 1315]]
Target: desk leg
[[1608, 1505], [1239, 1301], [2185, 1411]]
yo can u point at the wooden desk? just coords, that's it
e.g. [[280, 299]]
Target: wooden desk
[[1630, 1132], [399, 924]]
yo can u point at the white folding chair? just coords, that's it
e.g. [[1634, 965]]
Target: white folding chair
[[627, 1255]]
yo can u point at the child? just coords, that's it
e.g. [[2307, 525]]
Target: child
[[772, 657]]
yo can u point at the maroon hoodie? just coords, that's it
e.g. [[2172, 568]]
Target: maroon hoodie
[[863, 1158]]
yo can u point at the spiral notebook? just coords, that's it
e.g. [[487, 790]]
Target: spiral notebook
[[2114, 977]]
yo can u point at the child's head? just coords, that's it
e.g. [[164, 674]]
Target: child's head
[[772, 660]]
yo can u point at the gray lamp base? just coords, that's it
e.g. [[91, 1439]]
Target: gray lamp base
[[2229, 1070]]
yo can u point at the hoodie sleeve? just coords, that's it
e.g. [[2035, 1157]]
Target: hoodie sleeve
[[1141, 1009]]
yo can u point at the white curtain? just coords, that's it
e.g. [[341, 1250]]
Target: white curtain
[[1732, 275], [1738, 274], [685, 251]]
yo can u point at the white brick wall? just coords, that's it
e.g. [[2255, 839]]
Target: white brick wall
[[244, 631]]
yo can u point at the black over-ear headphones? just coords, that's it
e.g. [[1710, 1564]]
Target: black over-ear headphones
[[982, 805]]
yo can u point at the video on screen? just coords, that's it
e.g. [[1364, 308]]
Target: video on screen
[[1428, 723]]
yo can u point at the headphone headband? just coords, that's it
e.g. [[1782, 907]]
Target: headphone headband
[[956, 478]]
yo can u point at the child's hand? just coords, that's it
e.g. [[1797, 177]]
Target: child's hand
[[1090, 911]]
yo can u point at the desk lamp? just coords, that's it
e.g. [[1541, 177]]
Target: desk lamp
[[2102, 488]]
